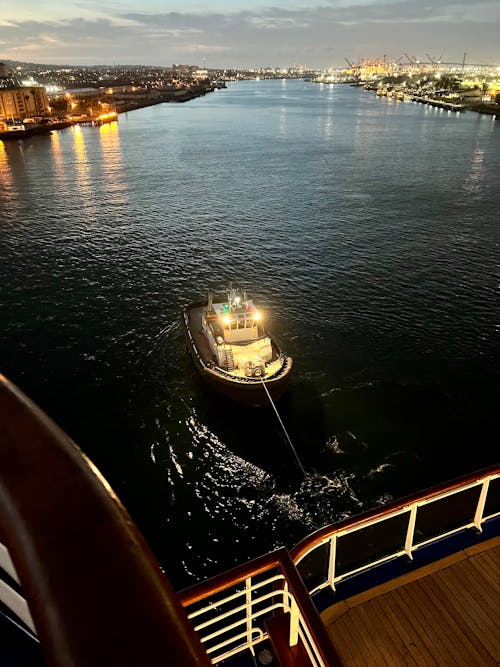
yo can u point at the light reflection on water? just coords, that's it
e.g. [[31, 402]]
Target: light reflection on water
[[367, 230], [81, 164], [6, 180], [109, 134], [473, 179], [58, 157]]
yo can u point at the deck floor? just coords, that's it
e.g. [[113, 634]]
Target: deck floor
[[444, 614]]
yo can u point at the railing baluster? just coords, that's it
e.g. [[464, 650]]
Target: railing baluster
[[478, 516], [294, 622], [331, 561], [246, 633], [411, 530], [248, 611]]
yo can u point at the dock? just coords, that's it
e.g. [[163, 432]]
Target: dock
[[44, 128], [439, 103]]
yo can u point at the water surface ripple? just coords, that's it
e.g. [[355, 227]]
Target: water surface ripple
[[367, 229]]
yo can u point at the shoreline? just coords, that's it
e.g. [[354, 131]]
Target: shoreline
[[177, 97], [477, 107]]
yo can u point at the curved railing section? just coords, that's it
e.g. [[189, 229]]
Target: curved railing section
[[95, 592], [401, 528], [11, 594], [231, 612]]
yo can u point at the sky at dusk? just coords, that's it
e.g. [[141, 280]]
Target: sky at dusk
[[226, 33]]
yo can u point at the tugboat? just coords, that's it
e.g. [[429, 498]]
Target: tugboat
[[233, 351]]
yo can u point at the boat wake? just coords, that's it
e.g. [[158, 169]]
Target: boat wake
[[241, 497], [221, 497], [327, 498], [379, 469], [224, 467], [173, 327]]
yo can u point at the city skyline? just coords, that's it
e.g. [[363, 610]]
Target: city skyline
[[236, 34]]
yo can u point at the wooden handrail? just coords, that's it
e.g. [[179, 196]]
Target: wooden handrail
[[309, 612], [358, 520], [229, 578], [94, 588], [281, 560]]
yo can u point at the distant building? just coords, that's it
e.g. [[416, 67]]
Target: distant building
[[24, 102], [78, 92], [4, 71], [184, 69]]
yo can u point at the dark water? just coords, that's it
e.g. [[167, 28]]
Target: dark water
[[369, 232]]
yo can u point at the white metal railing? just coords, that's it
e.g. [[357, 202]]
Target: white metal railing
[[235, 623], [410, 542], [241, 626], [10, 597]]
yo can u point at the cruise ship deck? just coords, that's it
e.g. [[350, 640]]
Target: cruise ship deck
[[413, 582], [446, 613]]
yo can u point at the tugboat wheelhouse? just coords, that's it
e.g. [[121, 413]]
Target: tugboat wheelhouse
[[232, 349]]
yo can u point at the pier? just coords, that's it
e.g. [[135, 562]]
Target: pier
[[439, 103], [31, 129], [96, 121]]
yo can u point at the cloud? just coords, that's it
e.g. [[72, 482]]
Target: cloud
[[271, 35]]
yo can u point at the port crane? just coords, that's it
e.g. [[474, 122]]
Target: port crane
[[433, 61], [412, 61]]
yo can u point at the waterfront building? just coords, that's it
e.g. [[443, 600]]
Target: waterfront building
[[184, 69], [201, 73], [78, 92], [23, 102]]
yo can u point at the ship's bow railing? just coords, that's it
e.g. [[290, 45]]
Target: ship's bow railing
[[403, 528], [95, 589], [96, 594], [234, 612]]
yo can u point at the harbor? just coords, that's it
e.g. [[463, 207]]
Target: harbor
[[23, 131], [26, 111], [249, 334], [443, 85], [378, 274]]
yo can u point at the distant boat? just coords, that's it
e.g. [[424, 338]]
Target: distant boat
[[233, 351]]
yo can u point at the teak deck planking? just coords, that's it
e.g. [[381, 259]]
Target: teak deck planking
[[445, 614]]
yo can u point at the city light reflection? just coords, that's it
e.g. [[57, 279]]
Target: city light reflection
[[6, 180], [81, 161], [82, 168], [57, 156], [5, 167], [474, 176], [109, 134]]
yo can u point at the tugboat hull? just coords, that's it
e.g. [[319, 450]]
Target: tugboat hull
[[246, 390]]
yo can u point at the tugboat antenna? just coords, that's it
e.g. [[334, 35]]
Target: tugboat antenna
[[283, 427]]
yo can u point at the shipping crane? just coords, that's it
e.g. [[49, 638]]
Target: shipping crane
[[412, 61]]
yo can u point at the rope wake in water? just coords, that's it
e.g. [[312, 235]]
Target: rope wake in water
[[283, 427]]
